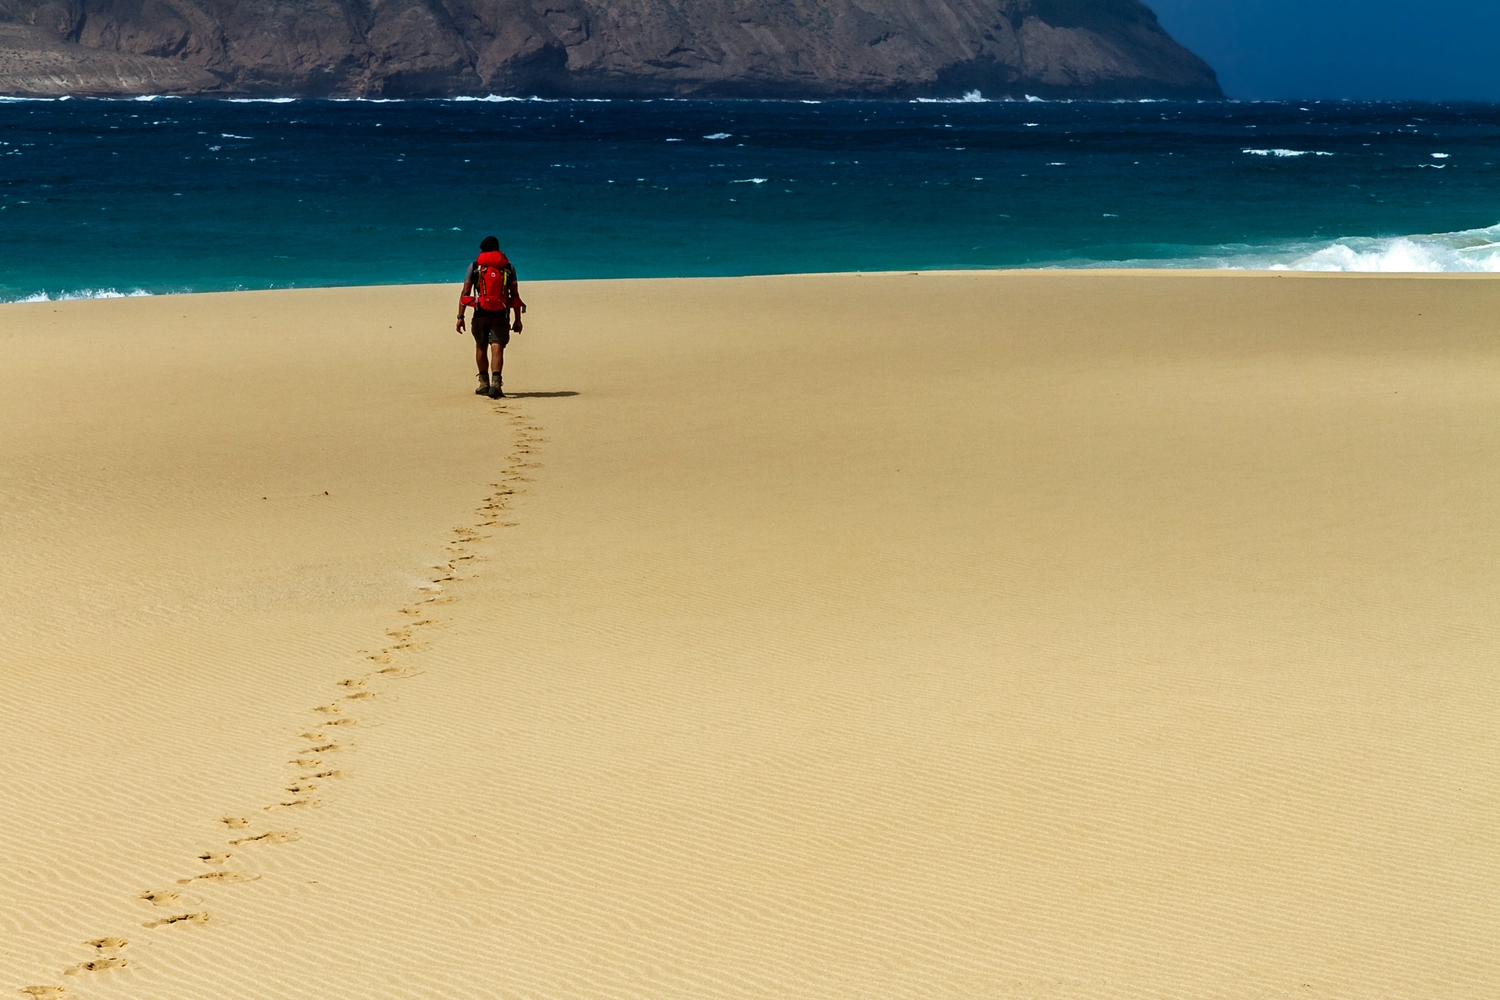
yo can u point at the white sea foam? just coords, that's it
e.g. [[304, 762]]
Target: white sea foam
[[719, 135], [1466, 251], [1284, 153], [751, 180], [82, 293], [970, 97], [1469, 250], [261, 100], [502, 99]]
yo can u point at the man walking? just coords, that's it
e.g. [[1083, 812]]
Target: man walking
[[490, 288]]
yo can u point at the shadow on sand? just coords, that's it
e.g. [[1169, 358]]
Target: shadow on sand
[[537, 395]]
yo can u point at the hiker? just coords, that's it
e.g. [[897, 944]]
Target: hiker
[[490, 288]]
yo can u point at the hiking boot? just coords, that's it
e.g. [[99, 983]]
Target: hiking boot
[[496, 392], [484, 385]]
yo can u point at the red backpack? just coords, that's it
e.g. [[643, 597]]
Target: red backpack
[[492, 289]]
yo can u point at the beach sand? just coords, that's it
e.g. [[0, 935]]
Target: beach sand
[[1043, 635]]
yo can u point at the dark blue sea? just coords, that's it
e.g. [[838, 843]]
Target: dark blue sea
[[157, 195]]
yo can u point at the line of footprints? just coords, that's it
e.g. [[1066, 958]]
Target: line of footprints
[[326, 739]]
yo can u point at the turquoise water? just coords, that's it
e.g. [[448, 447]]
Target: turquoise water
[[101, 197]]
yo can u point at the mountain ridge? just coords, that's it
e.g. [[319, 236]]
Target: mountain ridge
[[1105, 49]]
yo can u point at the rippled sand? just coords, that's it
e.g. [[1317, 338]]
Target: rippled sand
[[1015, 635]]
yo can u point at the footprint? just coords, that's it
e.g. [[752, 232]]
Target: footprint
[[194, 918], [330, 774], [215, 857], [163, 898], [355, 682], [326, 748], [358, 695], [297, 788], [225, 877], [45, 992], [235, 822], [342, 722], [397, 671], [272, 837], [97, 965], [380, 657], [328, 709], [305, 762], [107, 944], [313, 736], [298, 804]]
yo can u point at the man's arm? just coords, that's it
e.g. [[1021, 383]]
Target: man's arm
[[518, 307], [464, 296]]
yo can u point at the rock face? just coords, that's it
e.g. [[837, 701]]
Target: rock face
[[625, 48]]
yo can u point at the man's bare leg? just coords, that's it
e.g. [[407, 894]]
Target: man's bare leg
[[483, 363], [497, 364]]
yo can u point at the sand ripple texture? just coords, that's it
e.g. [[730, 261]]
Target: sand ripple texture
[[1100, 637]]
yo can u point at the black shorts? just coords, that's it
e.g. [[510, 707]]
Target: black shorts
[[491, 327]]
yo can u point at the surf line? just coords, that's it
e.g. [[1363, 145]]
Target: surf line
[[310, 761]]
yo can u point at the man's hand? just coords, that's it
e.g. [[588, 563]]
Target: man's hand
[[516, 326], [460, 327]]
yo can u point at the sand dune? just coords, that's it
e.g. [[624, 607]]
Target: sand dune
[[981, 635]]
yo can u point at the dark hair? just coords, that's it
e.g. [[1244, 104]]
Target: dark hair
[[489, 245]]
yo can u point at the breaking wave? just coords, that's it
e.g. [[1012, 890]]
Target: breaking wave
[[1285, 153], [499, 99], [970, 97], [82, 293], [1474, 251]]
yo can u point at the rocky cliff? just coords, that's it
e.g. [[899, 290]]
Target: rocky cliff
[[636, 48]]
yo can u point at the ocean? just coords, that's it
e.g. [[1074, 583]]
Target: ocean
[[158, 195]]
